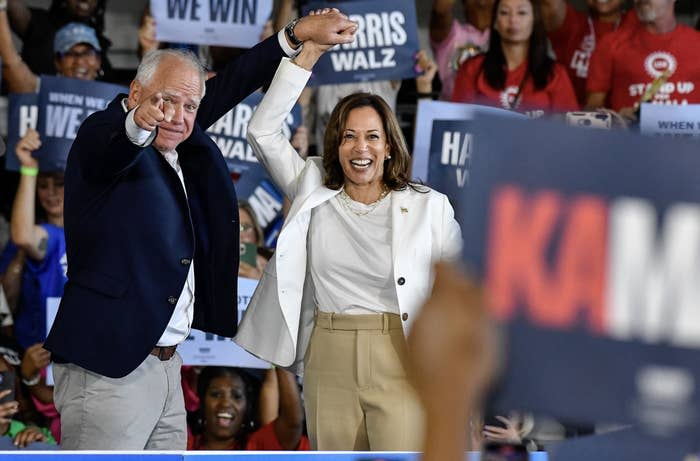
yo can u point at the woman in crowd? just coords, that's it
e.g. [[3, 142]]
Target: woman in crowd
[[365, 238], [516, 73], [228, 417], [251, 233]]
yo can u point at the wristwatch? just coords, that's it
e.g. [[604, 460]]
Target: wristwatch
[[289, 32]]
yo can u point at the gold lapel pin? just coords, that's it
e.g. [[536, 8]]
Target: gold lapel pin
[[404, 210]]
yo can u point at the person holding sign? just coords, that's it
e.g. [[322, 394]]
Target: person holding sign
[[152, 238], [353, 263], [516, 73], [76, 49]]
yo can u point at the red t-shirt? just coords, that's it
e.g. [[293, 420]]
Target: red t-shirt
[[626, 62], [471, 86], [264, 439], [576, 39]]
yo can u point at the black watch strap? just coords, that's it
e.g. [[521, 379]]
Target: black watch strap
[[289, 32]]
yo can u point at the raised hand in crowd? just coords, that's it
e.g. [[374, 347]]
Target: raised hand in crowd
[[32, 239], [7, 410], [427, 68], [453, 369], [35, 359], [510, 432], [26, 145]]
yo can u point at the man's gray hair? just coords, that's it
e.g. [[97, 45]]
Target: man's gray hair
[[149, 64]]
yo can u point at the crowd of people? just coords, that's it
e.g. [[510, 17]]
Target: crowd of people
[[127, 285]]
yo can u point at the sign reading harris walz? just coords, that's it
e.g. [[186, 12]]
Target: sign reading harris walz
[[589, 247], [253, 184], [386, 42]]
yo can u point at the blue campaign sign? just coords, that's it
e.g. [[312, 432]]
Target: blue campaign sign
[[236, 23], [588, 244], [252, 182], [63, 105], [450, 158], [22, 113], [430, 111], [385, 43]]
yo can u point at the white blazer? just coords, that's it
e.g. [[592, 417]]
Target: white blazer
[[278, 321]]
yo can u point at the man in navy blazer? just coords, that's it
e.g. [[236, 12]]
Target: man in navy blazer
[[151, 219]]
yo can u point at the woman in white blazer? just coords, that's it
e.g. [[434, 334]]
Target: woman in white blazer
[[353, 264]]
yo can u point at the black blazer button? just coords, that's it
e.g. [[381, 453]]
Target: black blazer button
[[185, 261], [401, 281], [172, 300], [404, 316]]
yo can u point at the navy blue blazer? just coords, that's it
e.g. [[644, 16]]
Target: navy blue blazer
[[131, 233]]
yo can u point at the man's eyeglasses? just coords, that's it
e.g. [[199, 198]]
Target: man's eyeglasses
[[89, 53]]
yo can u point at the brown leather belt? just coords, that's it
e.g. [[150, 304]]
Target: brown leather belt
[[164, 353]]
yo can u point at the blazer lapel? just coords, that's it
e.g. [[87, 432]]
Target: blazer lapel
[[399, 214], [315, 198]]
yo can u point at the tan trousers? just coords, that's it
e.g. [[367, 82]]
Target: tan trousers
[[356, 392]]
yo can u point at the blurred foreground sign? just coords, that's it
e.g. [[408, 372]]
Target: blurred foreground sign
[[589, 246]]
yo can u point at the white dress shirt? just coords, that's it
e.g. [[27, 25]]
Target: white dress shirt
[[180, 323]]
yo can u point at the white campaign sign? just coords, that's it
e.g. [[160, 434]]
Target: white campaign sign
[[669, 120], [51, 309], [200, 348], [236, 23], [207, 349]]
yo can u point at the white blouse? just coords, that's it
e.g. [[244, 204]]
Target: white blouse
[[351, 263]]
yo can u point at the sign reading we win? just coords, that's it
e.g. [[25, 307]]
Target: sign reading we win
[[237, 23]]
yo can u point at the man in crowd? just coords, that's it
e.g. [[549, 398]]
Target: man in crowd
[[655, 61], [151, 222]]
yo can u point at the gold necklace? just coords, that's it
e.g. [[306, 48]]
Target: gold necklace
[[347, 202]]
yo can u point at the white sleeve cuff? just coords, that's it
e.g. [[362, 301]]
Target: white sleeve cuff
[[135, 133], [288, 50]]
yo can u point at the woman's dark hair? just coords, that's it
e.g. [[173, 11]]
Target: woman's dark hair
[[250, 422], [540, 65], [396, 169]]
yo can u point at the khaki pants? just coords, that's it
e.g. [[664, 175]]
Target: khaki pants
[[143, 410], [356, 392]]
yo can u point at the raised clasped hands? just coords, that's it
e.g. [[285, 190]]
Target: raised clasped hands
[[320, 31]]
